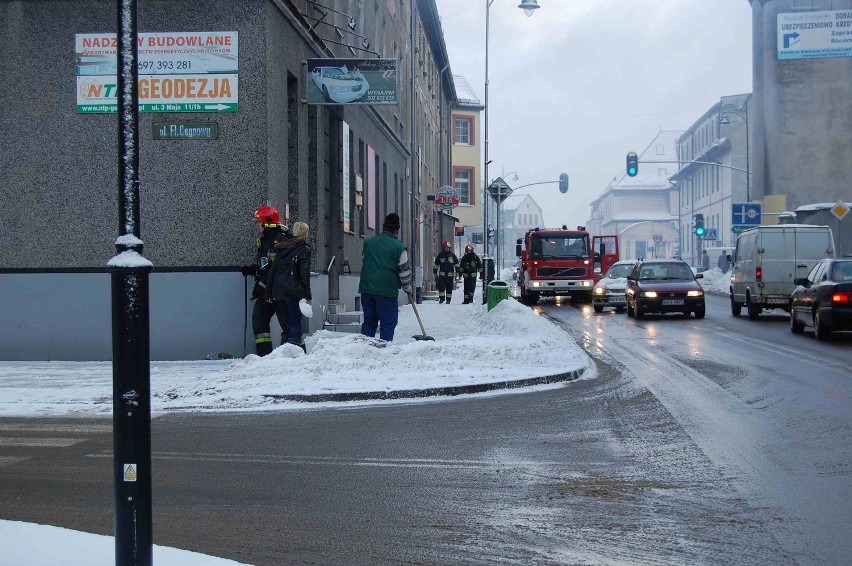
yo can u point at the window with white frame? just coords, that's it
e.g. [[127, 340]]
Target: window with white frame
[[463, 130], [463, 181]]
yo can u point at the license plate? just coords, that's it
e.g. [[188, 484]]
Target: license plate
[[617, 300], [778, 301], [672, 301]]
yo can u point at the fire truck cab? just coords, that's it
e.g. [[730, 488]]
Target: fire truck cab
[[562, 262]]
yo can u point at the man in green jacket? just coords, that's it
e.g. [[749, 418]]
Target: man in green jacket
[[384, 270]]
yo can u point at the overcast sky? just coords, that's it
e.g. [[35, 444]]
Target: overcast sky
[[582, 82]]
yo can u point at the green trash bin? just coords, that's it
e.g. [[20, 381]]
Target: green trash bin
[[497, 291]]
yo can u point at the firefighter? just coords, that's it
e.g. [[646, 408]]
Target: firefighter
[[446, 268], [471, 266], [272, 232]]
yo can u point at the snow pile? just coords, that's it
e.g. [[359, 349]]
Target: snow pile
[[716, 282], [471, 346]]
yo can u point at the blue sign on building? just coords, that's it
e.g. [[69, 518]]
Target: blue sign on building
[[745, 214]]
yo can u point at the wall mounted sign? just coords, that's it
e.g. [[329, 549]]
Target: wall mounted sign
[[178, 72], [352, 81], [186, 130]]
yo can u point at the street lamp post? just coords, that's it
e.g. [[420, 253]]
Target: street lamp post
[[723, 119], [529, 7]]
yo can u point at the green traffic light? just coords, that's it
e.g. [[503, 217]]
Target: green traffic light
[[699, 231]]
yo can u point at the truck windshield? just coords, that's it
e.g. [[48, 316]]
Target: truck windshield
[[561, 246]]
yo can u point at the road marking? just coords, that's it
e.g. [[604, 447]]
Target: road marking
[[336, 461], [64, 428], [11, 460], [40, 442]]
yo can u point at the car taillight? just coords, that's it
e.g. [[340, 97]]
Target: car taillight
[[758, 274], [840, 298]]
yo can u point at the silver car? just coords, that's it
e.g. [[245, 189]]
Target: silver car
[[609, 291]]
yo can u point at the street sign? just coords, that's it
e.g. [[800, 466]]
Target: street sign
[[738, 228], [658, 238], [446, 197], [839, 210], [745, 213], [710, 234], [499, 190], [186, 131]]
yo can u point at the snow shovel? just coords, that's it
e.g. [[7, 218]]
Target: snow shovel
[[423, 336]]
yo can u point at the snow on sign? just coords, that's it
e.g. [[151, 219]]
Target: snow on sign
[[178, 72], [446, 197], [812, 35]]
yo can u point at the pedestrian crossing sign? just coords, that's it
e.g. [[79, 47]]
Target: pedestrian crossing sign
[[130, 472]]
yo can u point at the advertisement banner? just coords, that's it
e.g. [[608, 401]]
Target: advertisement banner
[[813, 35], [178, 72], [352, 81]]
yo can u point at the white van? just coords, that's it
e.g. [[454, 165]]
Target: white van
[[768, 258]]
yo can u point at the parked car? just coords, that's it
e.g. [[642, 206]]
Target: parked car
[[664, 286], [823, 299], [609, 291], [340, 85]]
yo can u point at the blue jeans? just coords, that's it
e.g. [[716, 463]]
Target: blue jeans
[[290, 318], [379, 310]]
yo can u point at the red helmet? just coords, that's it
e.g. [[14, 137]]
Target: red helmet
[[267, 215], [447, 244], [468, 248]]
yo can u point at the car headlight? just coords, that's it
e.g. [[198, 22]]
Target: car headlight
[[695, 294], [600, 290], [536, 283], [649, 294]]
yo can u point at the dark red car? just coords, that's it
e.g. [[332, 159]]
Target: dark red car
[[663, 286], [823, 299]]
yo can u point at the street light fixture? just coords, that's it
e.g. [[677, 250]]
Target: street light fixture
[[723, 119], [529, 7]]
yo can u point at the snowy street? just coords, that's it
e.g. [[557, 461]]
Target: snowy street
[[715, 441]]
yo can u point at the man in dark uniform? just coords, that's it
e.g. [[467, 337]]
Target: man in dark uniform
[[272, 233], [471, 266], [445, 269]]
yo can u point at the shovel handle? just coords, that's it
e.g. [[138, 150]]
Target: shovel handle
[[411, 301]]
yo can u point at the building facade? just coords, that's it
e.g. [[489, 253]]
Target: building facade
[[467, 162], [338, 167], [642, 210]]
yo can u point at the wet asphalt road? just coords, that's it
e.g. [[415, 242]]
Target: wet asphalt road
[[719, 441]]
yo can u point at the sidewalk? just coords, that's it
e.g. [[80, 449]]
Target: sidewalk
[[474, 351]]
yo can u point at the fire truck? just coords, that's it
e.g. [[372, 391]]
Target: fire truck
[[562, 262]]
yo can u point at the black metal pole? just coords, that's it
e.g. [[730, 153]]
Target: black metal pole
[[130, 324]]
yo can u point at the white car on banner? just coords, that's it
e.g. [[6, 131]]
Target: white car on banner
[[340, 85]]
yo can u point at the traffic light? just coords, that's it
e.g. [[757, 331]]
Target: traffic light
[[563, 183], [699, 225], [632, 164]]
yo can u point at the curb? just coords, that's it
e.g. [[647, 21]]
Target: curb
[[449, 391]]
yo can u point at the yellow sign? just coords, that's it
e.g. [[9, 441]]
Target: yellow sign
[[840, 210], [130, 472]]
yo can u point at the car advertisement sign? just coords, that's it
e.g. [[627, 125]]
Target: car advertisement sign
[[812, 35], [446, 197], [352, 81], [178, 72]]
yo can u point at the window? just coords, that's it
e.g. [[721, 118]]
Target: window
[[661, 149], [463, 181], [463, 130]]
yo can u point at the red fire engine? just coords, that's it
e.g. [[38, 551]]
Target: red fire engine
[[563, 262]]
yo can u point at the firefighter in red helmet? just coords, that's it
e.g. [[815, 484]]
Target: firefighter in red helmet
[[470, 266], [272, 232], [446, 268]]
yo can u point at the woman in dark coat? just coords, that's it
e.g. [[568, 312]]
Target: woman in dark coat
[[289, 281]]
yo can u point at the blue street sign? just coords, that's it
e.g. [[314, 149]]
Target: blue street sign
[[710, 234], [745, 213]]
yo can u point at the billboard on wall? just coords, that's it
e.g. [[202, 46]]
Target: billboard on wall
[[352, 81], [178, 72], [813, 35]]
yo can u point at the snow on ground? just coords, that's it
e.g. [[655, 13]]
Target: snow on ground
[[472, 346], [716, 282], [28, 544]]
